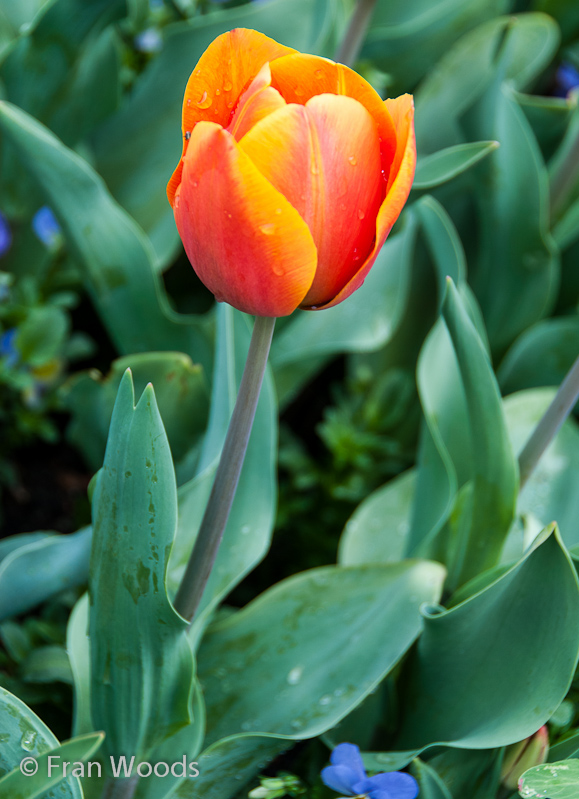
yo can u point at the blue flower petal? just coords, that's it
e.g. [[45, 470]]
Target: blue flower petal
[[46, 226], [349, 755], [340, 779], [5, 235], [393, 785]]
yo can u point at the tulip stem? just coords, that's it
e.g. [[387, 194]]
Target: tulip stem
[[348, 51], [548, 427], [227, 476]]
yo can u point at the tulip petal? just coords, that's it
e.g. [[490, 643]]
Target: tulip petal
[[400, 184], [257, 102], [248, 245], [299, 76], [222, 73], [325, 158]]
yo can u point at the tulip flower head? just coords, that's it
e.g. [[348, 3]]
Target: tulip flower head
[[293, 173], [347, 776]]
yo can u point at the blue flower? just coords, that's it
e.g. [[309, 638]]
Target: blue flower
[[46, 227], [149, 41], [566, 79], [347, 776], [5, 235], [7, 347]]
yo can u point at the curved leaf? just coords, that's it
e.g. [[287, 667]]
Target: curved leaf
[[444, 165]]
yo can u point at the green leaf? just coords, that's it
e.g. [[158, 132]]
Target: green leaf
[[23, 734], [566, 231], [78, 648], [46, 664], [440, 167], [41, 336], [431, 785], [377, 530], [552, 491], [465, 447], [462, 691], [180, 389], [119, 277], [541, 356], [141, 661], [22, 786], [555, 780], [138, 149], [41, 568], [303, 639], [517, 267], [250, 525], [527, 42], [549, 118]]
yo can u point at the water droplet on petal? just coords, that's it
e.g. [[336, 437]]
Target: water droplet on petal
[[361, 214], [230, 105], [227, 86], [352, 160], [278, 210], [314, 170], [198, 72], [176, 201], [299, 93], [319, 73], [195, 183], [268, 230], [217, 92], [189, 101], [205, 101], [342, 206]]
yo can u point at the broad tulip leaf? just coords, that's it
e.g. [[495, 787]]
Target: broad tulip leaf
[[303, 639], [440, 167], [138, 149], [462, 691], [378, 528], [552, 491], [443, 242], [516, 270], [556, 780], [119, 277], [17, 785], [228, 764], [137, 639], [548, 117], [465, 446], [542, 355], [528, 41], [566, 231], [180, 389], [567, 748], [22, 735], [39, 569], [406, 38], [250, 525], [431, 785]]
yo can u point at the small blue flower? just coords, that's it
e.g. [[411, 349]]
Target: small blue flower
[[566, 79], [347, 776], [7, 347], [5, 235], [46, 227]]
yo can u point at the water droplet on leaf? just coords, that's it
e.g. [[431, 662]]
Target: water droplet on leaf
[[295, 675], [28, 740]]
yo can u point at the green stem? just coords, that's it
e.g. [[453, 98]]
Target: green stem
[[227, 475], [120, 788], [565, 176], [548, 427], [348, 51]]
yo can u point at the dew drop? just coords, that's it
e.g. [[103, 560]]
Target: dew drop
[[217, 92], [314, 170], [195, 184], [319, 73], [268, 230], [176, 201], [198, 72], [227, 86], [245, 529], [216, 110], [295, 675], [356, 254], [325, 700], [361, 214], [278, 210], [205, 101], [299, 93], [352, 160], [342, 206], [230, 105], [297, 724], [189, 101], [28, 740]]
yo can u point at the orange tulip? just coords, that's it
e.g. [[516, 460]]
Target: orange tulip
[[293, 173]]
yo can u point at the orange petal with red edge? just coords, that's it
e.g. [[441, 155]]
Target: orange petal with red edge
[[258, 101], [299, 76], [400, 185], [222, 73], [248, 245], [325, 158]]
